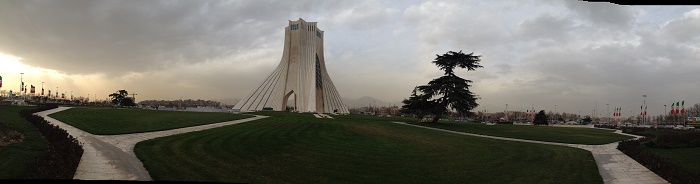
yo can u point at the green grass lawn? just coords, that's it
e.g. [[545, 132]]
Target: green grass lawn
[[298, 148], [540, 133], [111, 121], [14, 157], [686, 158]]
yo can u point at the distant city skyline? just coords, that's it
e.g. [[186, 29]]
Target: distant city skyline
[[544, 53]]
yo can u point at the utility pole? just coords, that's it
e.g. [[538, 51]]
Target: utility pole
[[607, 108]]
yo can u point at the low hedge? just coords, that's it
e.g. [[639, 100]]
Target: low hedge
[[671, 172], [605, 126], [64, 151], [640, 131]]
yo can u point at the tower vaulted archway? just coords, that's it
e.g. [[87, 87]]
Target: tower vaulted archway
[[301, 73]]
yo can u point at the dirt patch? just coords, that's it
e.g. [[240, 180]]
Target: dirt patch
[[10, 136]]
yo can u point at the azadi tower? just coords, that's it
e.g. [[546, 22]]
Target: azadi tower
[[300, 81]]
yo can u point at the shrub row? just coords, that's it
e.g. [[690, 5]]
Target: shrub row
[[637, 131], [64, 151], [671, 172], [605, 126]]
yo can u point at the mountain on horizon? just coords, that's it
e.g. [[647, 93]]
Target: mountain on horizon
[[365, 101]]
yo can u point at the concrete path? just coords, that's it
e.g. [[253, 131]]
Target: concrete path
[[613, 165], [112, 157]]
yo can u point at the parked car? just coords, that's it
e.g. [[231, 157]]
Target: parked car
[[690, 127]]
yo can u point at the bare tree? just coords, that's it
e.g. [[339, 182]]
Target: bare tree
[[693, 110]]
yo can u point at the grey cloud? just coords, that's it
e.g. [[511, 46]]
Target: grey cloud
[[116, 37], [684, 30], [544, 27], [602, 14]]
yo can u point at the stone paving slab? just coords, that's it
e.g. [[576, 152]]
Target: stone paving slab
[[112, 157], [613, 165]]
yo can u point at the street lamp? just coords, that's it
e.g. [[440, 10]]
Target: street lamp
[[664, 117], [607, 108], [21, 84], [506, 112], [645, 104]]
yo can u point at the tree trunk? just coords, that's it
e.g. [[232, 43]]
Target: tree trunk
[[436, 118]]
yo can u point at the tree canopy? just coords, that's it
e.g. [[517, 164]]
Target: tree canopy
[[121, 98], [448, 92], [540, 119]]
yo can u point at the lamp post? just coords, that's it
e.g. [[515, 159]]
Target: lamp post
[[664, 117], [645, 104], [506, 113], [21, 83], [607, 109]]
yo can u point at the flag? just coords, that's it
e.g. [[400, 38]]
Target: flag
[[641, 108], [645, 110], [672, 110], [32, 89], [683, 107], [0, 81], [63, 95], [21, 87], [25, 89], [49, 93], [42, 91], [678, 109]]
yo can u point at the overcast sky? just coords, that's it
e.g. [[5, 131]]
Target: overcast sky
[[539, 52]]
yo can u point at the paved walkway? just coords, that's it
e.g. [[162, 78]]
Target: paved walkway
[[613, 165], [112, 157]]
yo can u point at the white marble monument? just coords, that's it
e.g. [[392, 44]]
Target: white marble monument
[[300, 79]]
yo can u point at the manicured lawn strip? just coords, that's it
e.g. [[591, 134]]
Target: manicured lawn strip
[[14, 157], [299, 148], [111, 121], [588, 136]]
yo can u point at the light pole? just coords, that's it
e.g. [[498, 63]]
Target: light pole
[[506, 112], [607, 109], [42, 93], [644, 116], [555, 113], [56, 97], [664, 117], [21, 82]]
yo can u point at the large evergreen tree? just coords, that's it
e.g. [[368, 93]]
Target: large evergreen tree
[[540, 119], [448, 92], [121, 98]]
